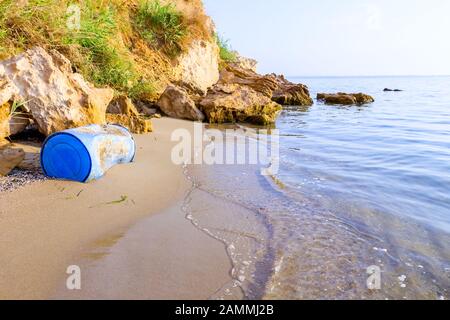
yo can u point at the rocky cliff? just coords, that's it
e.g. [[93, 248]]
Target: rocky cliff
[[65, 64]]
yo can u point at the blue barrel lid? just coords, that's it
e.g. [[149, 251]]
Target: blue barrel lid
[[64, 156]]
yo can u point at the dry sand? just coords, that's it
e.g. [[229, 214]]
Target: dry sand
[[139, 248]]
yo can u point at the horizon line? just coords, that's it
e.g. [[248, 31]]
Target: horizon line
[[367, 76]]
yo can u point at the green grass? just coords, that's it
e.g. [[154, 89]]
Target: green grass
[[226, 52], [161, 26], [96, 49], [105, 64]]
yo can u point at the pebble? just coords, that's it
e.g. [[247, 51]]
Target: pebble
[[19, 178]]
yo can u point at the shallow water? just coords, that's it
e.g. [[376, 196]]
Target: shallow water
[[358, 187]]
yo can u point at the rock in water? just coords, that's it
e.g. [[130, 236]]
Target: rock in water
[[292, 94], [273, 86], [241, 95], [342, 98], [9, 159], [392, 90], [56, 98], [176, 103], [237, 103]]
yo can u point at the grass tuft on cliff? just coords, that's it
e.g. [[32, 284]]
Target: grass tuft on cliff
[[161, 26], [226, 52]]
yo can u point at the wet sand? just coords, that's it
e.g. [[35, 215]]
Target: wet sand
[[126, 231]]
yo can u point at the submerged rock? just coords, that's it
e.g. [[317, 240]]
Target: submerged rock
[[392, 90], [342, 98], [9, 159], [177, 103], [292, 94], [54, 96]]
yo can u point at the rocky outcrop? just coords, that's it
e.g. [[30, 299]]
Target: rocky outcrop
[[236, 103], [9, 159], [278, 88], [122, 105], [54, 96], [288, 93], [231, 74], [198, 68], [342, 98], [245, 63], [241, 95], [176, 103], [135, 124], [122, 111]]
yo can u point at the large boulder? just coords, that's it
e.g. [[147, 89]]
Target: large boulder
[[241, 95], [56, 97], [198, 68], [176, 103], [342, 98], [9, 159], [236, 103], [288, 93]]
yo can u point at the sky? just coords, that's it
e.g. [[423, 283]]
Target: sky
[[338, 38]]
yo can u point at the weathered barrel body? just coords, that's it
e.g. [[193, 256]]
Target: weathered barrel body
[[85, 154]]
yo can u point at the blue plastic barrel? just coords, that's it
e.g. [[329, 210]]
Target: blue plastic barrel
[[86, 153]]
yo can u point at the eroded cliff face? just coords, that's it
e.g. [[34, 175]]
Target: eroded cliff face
[[53, 88], [198, 68]]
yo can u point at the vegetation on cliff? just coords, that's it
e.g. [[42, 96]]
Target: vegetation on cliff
[[126, 45], [161, 26], [226, 53]]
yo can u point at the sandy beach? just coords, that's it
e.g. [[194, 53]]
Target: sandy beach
[[126, 231]]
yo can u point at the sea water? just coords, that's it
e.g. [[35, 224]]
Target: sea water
[[360, 188]]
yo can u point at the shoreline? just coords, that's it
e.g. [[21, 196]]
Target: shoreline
[[47, 226]]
